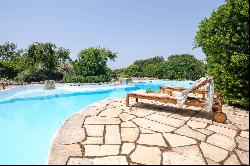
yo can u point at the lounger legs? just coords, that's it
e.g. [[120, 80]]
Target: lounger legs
[[136, 99], [127, 101]]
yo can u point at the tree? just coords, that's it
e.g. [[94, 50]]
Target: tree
[[224, 38], [9, 51], [184, 66], [93, 61], [9, 60], [43, 61]]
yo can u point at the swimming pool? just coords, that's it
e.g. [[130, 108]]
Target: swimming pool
[[29, 116]]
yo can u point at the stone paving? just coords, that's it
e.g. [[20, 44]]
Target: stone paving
[[108, 132]]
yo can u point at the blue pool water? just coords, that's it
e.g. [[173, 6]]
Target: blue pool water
[[29, 116]]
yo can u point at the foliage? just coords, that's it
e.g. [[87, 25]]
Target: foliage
[[184, 66], [87, 79], [93, 61], [224, 38], [149, 90]]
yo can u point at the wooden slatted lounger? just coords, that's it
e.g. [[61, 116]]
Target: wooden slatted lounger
[[167, 97]]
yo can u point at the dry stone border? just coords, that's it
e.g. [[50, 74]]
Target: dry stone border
[[108, 132]]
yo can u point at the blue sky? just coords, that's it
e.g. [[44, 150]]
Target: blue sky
[[135, 29]]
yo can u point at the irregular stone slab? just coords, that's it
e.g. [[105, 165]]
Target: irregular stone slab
[[177, 140], [94, 130], [186, 131], [183, 114], [232, 160], [244, 156], [240, 121], [110, 160], [212, 152], [59, 154], [152, 139], [71, 135], [188, 155], [146, 131], [101, 150], [112, 134], [79, 161], [166, 120], [224, 142], [101, 120], [126, 117], [148, 124], [211, 162], [222, 130], [129, 134], [205, 131], [146, 155], [244, 134], [75, 121], [127, 148], [226, 125], [243, 143], [111, 112], [141, 112], [93, 140], [128, 124], [196, 124]]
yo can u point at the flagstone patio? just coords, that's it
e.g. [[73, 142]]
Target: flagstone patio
[[108, 132]]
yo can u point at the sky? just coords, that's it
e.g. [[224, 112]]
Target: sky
[[134, 29]]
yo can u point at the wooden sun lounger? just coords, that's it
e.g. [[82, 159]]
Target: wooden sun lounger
[[166, 96]]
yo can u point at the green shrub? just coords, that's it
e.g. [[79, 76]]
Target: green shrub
[[224, 38], [149, 90], [88, 79]]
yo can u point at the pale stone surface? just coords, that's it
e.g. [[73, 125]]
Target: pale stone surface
[[79, 161], [243, 143], [211, 162], [209, 151], [71, 135], [129, 134], [232, 160], [186, 131], [94, 130], [93, 140], [244, 134], [127, 148], [61, 153], [141, 113], [188, 155], [111, 112], [128, 124], [228, 143], [126, 117], [196, 124], [222, 130], [177, 140], [144, 123], [146, 131], [166, 120], [112, 135], [205, 131], [102, 120], [151, 157], [122, 141], [244, 156], [101, 150], [110, 160], [226, 125], [152, 139]]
